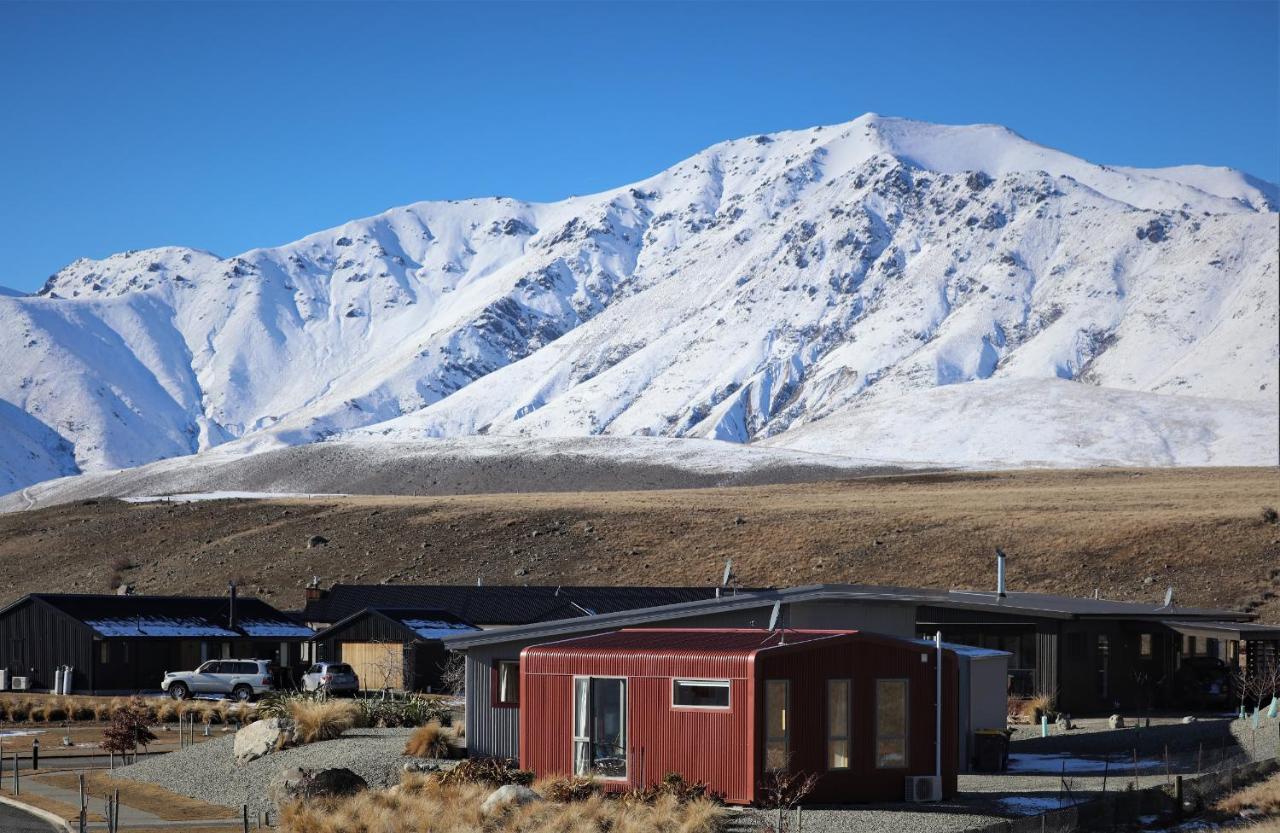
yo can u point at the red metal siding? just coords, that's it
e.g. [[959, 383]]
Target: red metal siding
[[723, 748], [863, 663]]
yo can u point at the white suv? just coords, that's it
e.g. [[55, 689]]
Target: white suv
[[241, 679]]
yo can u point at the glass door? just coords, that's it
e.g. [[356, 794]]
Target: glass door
[[600, 727]]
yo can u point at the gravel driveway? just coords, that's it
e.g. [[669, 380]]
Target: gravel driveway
[[208, 771]]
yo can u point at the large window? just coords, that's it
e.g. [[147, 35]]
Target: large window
[[837, 724], [892, 710], [777, 724], [700, 694], [600, 727], [507, 691]]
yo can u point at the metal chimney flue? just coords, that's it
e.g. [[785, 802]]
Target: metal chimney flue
[[1000, 572]]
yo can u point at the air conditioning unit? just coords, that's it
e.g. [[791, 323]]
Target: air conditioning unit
[[21, 684], [924, 788]]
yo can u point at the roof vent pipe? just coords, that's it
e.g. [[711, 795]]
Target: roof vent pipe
[[1000, 572]]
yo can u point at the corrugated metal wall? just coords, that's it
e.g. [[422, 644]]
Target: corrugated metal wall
[[492, 732], [701, 744], [35, 639], [722, 747]]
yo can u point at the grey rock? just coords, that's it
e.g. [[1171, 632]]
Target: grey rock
[[297, 783], [510, 795], [1115, 721], [316, 541], [262, 737], [1189, 719]]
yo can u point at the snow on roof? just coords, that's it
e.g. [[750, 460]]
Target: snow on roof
[[269, 627], [158, 626], [436, 628]]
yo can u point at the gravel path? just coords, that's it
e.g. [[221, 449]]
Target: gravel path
[[208, 771]]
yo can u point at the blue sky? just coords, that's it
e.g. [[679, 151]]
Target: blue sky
[[227, 127]]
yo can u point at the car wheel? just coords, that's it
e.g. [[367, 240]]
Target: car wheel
[[178, 691], [243, 693]]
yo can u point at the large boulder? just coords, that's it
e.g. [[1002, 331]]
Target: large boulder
[[511, 795], [297, 783], [262, 737], [1115, 721]]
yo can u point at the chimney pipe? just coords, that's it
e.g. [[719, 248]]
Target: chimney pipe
[[1000, 572], [231, 608]]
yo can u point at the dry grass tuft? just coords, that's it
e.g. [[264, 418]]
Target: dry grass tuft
[[318, 720], [1263, 796], [429, 741], [424, 805]]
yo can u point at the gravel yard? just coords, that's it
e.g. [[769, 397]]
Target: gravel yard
[[209, 773]]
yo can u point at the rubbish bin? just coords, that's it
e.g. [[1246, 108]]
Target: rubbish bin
[[990, 750]]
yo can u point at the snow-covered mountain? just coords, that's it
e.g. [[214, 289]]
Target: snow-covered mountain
[[763, 285]]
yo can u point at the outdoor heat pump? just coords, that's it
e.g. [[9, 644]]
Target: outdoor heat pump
[[921, 788]]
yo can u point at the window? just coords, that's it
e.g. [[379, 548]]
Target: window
[[777, 704], [891, 724], [600, 727], [1103, 661], [104, 652], [1211, 646], [1144, 645], [837, 724], [508, 683], [700, 694]]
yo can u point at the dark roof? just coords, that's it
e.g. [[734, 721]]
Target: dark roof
[[1038, 605], [171, 616], [500, 605], [700, 642], [417, 623], [1227, 630]]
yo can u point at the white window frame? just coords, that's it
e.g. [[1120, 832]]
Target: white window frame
[[575, 739], [727, 685]]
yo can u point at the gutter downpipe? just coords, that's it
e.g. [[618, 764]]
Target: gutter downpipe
[[937, 746]]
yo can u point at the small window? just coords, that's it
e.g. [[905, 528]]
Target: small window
[[777, 725], [837, 724], [1144, 645], [508, 691], [700, 694], [104, 652], [892, 708]]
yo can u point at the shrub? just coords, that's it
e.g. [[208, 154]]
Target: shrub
[[56, 712], [19, 710], [38, 714], [565, 790], [128, 728], [429, 741], [318, 720], [1270, 515], [491, 772], [167, 712], [81, 711], [102, 710], [674, 786]]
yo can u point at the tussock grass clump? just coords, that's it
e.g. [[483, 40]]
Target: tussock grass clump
[[318, 720], [564, 790], [486, 772], [19, 710], [427, 805], [429, 741], [1263, 797]]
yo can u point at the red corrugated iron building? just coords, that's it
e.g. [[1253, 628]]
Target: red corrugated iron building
[[727, 707]]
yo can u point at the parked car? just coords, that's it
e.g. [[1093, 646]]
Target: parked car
[[332, 678], [240, 679]]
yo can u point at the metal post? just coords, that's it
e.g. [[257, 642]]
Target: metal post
[[17, 776], [937, 735], [244, 809], [83, 818], [115, 814], [35, 753], [1177, 796]]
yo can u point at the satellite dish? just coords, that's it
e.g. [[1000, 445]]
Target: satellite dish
[[773, 617], [1168, 597], [728, 572]]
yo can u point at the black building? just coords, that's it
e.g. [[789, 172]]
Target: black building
[[491, 605], [124, 644], [393, 648]]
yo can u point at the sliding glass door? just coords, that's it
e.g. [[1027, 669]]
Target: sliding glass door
[[600, 727]]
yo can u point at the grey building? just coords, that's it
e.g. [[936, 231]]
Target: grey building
[[1093, 653]]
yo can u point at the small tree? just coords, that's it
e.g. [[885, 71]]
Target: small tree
[[453, 674], [129, 728]]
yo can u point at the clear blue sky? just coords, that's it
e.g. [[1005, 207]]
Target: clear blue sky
[[226, 127]]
